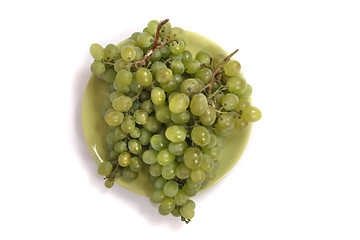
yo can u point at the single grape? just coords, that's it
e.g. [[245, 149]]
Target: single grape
[[152, 26], [150, 156], [120, 147], [168, 204], [176, 134], [134, 146], [168, 171], [198, 104], [123, 79], [122, 103], [158, 96], [247, 93], [171, 188], [177, 33], [229, 101], [128, 125], [144, 137], [165, 157], [181, 118], [179, 103], [251, 114], [197, 175], [236, 85], [159, 142], [105, 168], [124, 159], [159, 182], [144, 39], [232, 68], [179, 148], [207, 163], [128, 53], [163, 114], [177, 67], [144, 77], [97, 52], [109, 183], [153, 125], [200, 136], [203, 57], [190, 86], [177, 47], [164, 75], [193, 157], [111, 51], [157, 196], [141, 117], [114, 118], [182, 171], [204, 74], [208, 117], [187, 212], [155, 170], [192, 66], [240, 124]]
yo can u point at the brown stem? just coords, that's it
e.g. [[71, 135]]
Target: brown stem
[[155, 44], [219, 67]]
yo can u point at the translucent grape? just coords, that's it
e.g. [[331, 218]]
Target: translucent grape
[[153, 125], [179, 103], [190, 86], [157, 196], [200, 136], [251, 114], [193, 157], [150, 156], [163, 114], [229, 101], [176, 134], [144, 39], [97, 52], [158, 96], [159, 142], [198, 104], [171, 188], [144, 77], [136, 164], [105, 168], [123, 79], [111, 51], [163, 75], [232, 68], [236, 85], [208, 117], [179, 148], [177, 47], [165, 157], [124, 159], [192, 66], [128, 53], [134, 146], [122, 103]]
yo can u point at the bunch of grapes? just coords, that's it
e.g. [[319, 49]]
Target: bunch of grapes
[[169, 113]]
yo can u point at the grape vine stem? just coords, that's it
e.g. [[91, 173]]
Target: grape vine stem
[[219, 67]]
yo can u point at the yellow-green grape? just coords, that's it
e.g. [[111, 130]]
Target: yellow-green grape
[[176, 134], [124, 159], [152, 27], [208, 117], [144, 39], [251, 114], [158, 96], [163, 114], [123, 79], [139, 54], [147, 106], [109, 183], [114, 118], [164, 75], [193, 157], [192, 66], [179, 103], [153, 125], [128, 124], [128, 53], [181, 118], [178, 33], [165, 157], [247, 93], [178, 148], [171, 188], [155, 169], [182, 171], [120, 147], [122, 103], [198, 104], [98, 68], [97, 52], [240, 124], [190, 86], [203, 57], [168, 171], [241, 105], [159, 142], [207, 163], [134, 146], [136, 164], [105, 168], [204, 74], [167, 205], [200, 136], [111, 51], [157, 196], [236, 85], [197, 175], [177, 47], [144, 77], [150, 156], [128, 174], [141, 117], [229, 101], [232, 68]]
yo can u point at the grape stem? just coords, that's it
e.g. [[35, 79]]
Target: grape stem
[[219, 67], [155, 44]]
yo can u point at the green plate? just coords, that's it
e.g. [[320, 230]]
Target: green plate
[[95, 128]]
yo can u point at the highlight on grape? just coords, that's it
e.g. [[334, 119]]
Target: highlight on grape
[[169, 112]]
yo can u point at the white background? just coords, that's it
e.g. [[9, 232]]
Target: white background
[[298, 177]]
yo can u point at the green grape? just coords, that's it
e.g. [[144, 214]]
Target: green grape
[[141, 117], [135, 133], [176, 134], [251, 114], [192, 66], [212, 142], [134, 146], [120, 147], [207, 163], [203, 57], [165, 29], [144, 39], [163, 75], [139, 54], [240, 124], [165, 52], [171, 188], [128, 174], [177, 47], [155, 169], [159, 182], [152, 27], [165, 157], [114, 118], [163, 114], [109, 75], [134, 36], [113, 155], [187, 212], [144, 77], [124, 159], [122, 103], [168, 204], [128, 125], [168, 171], [225, 122], [208, 117], [213, 152], [111, 51], [147, 106], [150, 156], [189, 192], [204, 74], [156, 66], [193, 157], [130, 42], [210, 175], [111, 138], [247, 93], [158, 96], [200, 136], [121, 64], [232, 68], [144, 137], [178, 148], [109, 183], [176, 212], [179, 103], [180, 198], [159, 142], [105, 168], [192, 185], [181, 118], [135, 86], [198, 104], [97, 68], [115, 94], [241, 105], [236, 85], [197, 175], [157, 196], [153, 125], [97, 52], [162, 212], [190, 86], [182, 171], [123, 79], [155, 56], [229, 101], [187, 57], [170, 86], [128, 53], [177, 67], [136, 164], [178, 33]]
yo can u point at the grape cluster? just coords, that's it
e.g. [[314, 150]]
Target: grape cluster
[[169, 113]]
